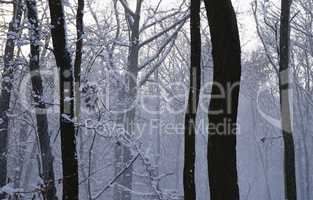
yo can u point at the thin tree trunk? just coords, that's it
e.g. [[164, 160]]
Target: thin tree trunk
[[21, 158], [194, 91], [77, 75], [67, 127], [79, 53], [123, 153], [267, 194], [6, 87], [223, 111], [40, 107], [289, 152], [118, 163], [158, 121], [29, 167]]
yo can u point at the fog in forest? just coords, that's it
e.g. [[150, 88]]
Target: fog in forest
[[160, 100]]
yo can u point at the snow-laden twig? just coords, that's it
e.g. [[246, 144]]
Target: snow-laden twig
[[116, 177]]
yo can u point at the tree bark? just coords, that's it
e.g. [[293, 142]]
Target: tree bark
[[223, 111], [40, 107], [79, 53], [67, 127], [289, 151], [194, 92], [6, 87]]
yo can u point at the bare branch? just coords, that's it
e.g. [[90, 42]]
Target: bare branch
[[126, 8], [116, 177], [270, 59], [181, 21]]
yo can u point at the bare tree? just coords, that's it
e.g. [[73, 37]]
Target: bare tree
[[226, 78], [40, 107], [66, 81], [79, 53], [289, 152], [6, 87], [123, 153], [190, 118], [135, 30]]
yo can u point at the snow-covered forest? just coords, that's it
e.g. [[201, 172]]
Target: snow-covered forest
[[160, 100]]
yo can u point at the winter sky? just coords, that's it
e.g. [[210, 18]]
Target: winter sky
[[242, 7], [244, 14]]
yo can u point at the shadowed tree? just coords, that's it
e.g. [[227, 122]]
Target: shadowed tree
[[66, 81], [289, 151], [282, 50], [6, 88], [223, 111], [47, 173], [79, 53], [193, 100]]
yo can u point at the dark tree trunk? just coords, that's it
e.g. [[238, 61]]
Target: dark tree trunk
[[67, 128], [79, 53], [40, 107], [6, 87], [223, 111], [190, 118], [289, 152]]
